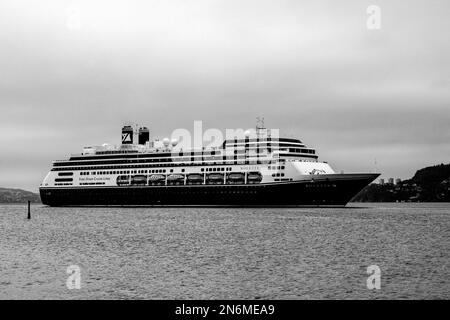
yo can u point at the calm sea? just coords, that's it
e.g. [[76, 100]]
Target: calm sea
[[208, 253]]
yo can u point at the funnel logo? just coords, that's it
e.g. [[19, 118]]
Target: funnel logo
[[126, 137]]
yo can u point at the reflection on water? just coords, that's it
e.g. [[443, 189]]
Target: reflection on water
[[208, 253]]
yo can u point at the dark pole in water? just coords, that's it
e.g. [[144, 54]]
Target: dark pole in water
[[29, 209]]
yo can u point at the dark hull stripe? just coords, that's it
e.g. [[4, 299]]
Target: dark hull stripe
[[326, 190]]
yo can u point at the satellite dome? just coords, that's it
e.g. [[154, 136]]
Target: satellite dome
[[174, 142], [247, 133], [166, 142]]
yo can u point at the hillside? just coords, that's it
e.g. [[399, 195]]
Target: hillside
[[8, 195], [427, 185]]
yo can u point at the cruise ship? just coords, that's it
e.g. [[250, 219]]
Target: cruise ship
[[256, 169]]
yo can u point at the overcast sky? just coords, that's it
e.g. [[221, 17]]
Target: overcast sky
[[72, 72]]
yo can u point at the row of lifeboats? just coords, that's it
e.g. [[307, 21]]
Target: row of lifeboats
[[191, 179]]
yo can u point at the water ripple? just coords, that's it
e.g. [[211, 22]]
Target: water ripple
[[209, 253]]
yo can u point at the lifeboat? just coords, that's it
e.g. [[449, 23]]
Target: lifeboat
[[214, 178], [254, 177], [235, 178], [139, 180], [156, 179], [195, 178], [123, 180], [175, 179]]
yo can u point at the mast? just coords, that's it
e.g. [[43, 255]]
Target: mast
[[260, 127]]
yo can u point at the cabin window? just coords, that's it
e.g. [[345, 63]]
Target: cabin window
[[65, 173]]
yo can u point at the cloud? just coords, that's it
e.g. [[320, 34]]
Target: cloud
[[74, 71]]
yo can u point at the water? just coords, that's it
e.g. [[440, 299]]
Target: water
[[209, 253]]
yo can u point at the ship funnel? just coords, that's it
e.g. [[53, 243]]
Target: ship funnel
[[143, 136], [127, 135]]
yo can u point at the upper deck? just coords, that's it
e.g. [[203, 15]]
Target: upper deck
[[259, 148]]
